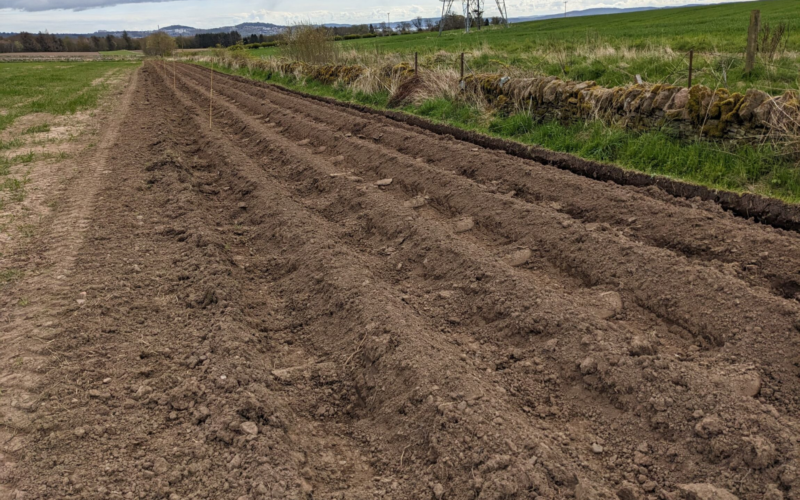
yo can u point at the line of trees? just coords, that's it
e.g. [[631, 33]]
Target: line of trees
[[45, 42]]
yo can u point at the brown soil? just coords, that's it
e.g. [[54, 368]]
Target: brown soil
[[253, 310]]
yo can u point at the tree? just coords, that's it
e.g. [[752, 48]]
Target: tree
[[111, 41], [126, 41], [158, 44], [49, 43], [405, 27], [418, 23], [28, 42], [372, 29]]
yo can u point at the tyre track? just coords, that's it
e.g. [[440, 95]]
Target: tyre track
[[27, 335]]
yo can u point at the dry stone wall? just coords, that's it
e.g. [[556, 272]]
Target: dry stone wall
[[683, 112], [699, 111]]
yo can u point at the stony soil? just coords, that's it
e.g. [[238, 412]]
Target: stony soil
[[303, 301]]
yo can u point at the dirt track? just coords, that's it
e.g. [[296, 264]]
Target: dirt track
[[248, 313]]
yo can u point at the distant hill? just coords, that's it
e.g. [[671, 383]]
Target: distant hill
[[244, 29], [580, 13]]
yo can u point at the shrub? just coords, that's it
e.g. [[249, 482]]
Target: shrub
[[309, 44], [158, 44]]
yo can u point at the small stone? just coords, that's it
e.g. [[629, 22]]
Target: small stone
[[249, 428], [384, 182], [464, 225], [242, 206], [438, 491], [415, 202], [445, 294], [94, 393], [519, 257], [597, 449], [748, 384], [649, 486], [79, 432], [106, 380], [611, 304], [304, 142]]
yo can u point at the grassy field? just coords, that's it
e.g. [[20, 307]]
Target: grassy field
[[57, 88], [611, 49], [763, 169]]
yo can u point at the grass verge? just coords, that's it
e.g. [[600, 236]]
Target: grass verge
[[758, 169]]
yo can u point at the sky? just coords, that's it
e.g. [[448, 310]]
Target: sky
[[88, 16]]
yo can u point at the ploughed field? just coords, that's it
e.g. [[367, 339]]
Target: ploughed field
[[304, 301]]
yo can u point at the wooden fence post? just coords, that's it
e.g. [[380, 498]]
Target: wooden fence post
[[416, 63], [691, 61], [210, 97], [462, 66], [752, 41]]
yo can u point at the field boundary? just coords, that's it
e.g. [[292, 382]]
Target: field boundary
[[771, 211]]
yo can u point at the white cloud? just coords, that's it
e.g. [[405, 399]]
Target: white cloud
[[43, 5]]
